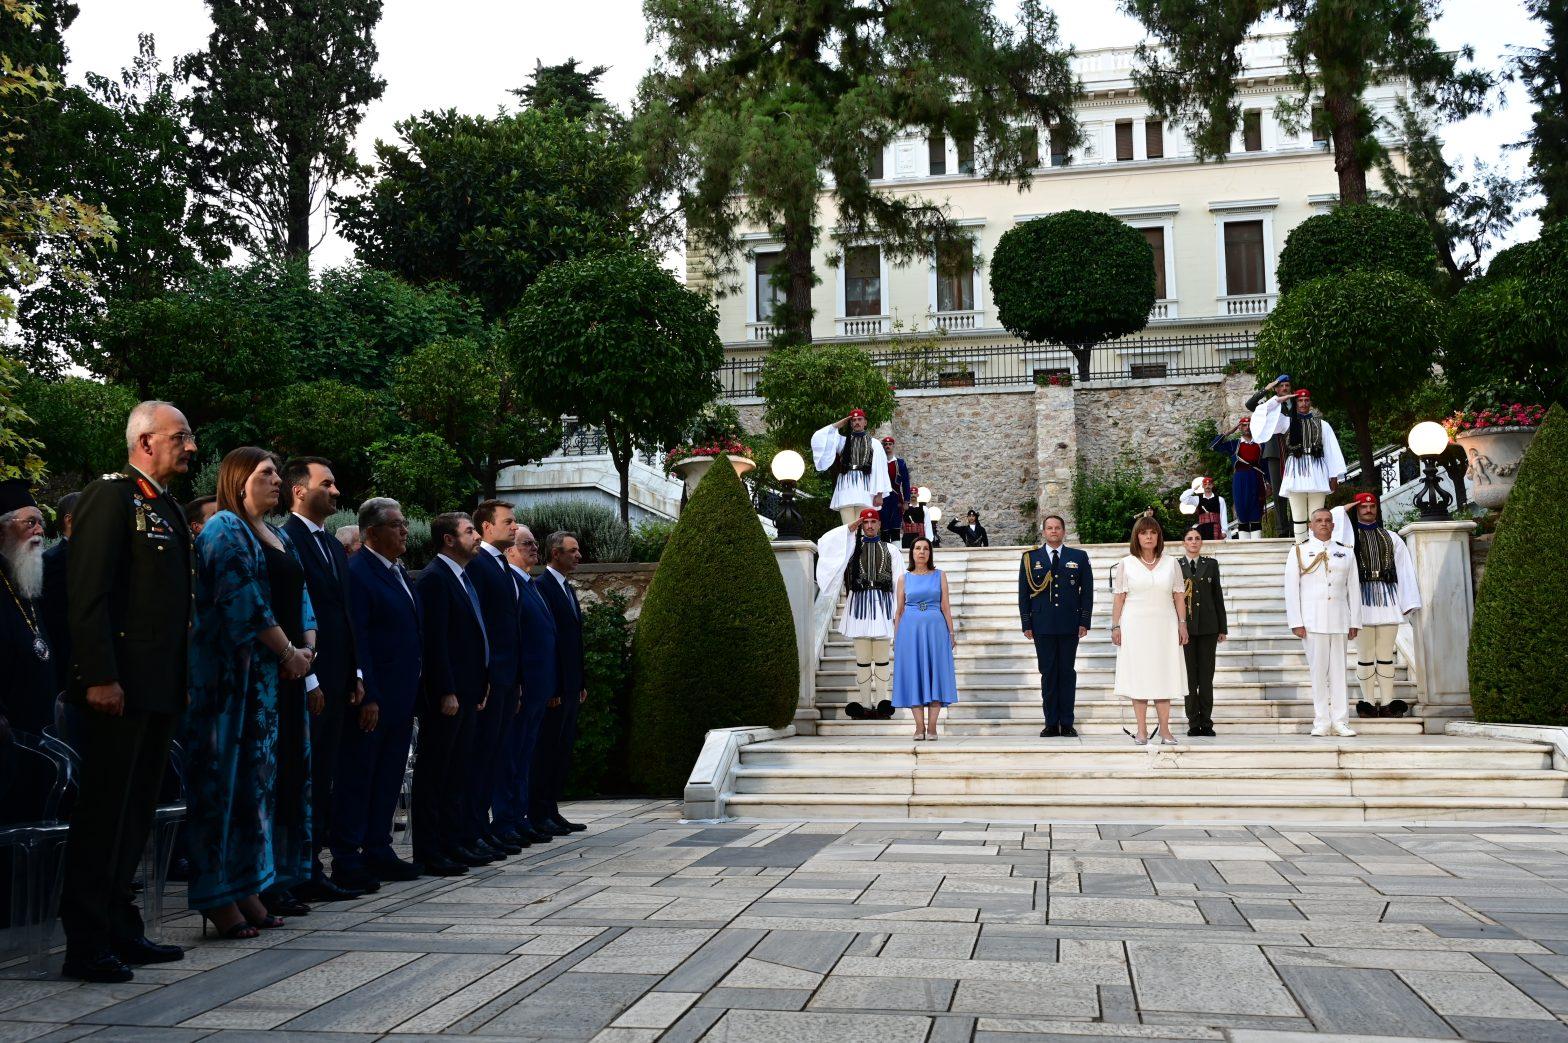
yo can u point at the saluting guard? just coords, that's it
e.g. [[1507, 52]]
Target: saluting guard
[[1056, 603], [1323, 608], [1387, 575], [854, 462], [870, 572], [1313, 463]]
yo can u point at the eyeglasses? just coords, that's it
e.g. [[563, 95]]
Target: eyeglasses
[[528, 543]]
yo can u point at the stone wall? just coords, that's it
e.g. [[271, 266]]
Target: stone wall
[[1151, 422], [593, 582]]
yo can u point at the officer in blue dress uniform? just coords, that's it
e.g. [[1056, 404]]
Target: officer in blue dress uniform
[[1055, 602]]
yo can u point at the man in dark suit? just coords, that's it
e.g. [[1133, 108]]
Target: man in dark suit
[[1056, 604], [456, 681], [498, 599], [130, 578], [558, 732], [383, 612], [313, 493], [536, 656], [55, 598]]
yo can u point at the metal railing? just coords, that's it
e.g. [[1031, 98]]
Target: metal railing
[[1395, 466], [584, 440], [1018, 364]]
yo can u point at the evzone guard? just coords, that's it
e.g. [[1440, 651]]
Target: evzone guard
[[855, 462], [1388, 594], [870, 570], [1313, 463]]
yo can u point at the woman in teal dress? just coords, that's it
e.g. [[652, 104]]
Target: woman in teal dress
[[239, 653], [923, 641]]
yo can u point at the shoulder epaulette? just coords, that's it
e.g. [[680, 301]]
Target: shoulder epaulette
[[115, 476]]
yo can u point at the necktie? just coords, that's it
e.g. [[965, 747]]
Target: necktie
[[326, 552], [1054, 559], [473, 600]]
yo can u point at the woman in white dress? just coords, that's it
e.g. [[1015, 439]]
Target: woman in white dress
[[1149, 627]]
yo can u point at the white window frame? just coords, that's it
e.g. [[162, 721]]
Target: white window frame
[[843, 269], [973, 224], [753, 248], [1162, 217], [1225, 212]]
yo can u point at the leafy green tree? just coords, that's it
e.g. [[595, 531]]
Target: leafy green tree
[[463, 390], [755, 114], [276, 99], [1544, 72], [37, 220], [1336, 51], [1076, 277], [715, 643], [21, 456], [1357, 237], [421, 472], [121, 146], [1464, 214], [1517, 658], [332, 419], [615, 341], [486, 203], [808, 386], [80, 424], [1359, 340], [574, 91]]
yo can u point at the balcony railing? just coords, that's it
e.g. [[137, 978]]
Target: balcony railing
[[762, 331], [1019, 365], [958, 321], [1163, 310], [1248, 304], [863, 325]]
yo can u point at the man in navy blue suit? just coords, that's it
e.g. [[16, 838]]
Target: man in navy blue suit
[[313, 493], [384, 613], [1056, 603], [492, 577], [537, 660], [558, 732], [456, 681]]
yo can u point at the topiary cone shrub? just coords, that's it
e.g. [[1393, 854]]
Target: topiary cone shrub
[[1518, 660], [715, 644]]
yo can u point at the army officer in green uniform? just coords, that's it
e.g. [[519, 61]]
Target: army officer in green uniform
[[1206, 628], [129, 591]]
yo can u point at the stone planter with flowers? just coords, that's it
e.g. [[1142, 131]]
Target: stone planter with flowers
[[1494, 440]]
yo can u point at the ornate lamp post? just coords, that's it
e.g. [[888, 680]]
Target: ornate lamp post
[[1428, 440], [788, 467]]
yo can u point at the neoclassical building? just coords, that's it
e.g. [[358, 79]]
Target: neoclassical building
[[1215, 230]]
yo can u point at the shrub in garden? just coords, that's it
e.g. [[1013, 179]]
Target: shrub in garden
[[599, 757], [715, 643]]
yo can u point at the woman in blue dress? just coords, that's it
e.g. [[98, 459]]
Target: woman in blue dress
[[923, 641], [239, 843]]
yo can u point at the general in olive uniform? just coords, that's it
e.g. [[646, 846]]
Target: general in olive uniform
[[1206, 628], [130, 579], [1056, 603]]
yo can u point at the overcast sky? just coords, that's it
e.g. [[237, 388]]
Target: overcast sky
[[466, 54]]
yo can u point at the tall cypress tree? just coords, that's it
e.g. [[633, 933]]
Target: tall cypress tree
[[1337, 49], [754, 110], [277, 96], [1544, 71]]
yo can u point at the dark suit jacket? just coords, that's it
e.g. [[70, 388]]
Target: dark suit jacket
[[1065, 605], [335, 660], [568, 636], [56, 621], [1206, 603], [454, 645], [129, 581], [386, 625], [492, 577], [537, 650]]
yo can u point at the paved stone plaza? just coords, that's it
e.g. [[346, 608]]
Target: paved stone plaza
[[645, 928]]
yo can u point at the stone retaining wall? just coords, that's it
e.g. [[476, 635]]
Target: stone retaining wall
[[593, 582]]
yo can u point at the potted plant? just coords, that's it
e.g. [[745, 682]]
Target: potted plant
[[1494, 435], [716, 430]]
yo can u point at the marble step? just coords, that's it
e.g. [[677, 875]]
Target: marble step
[[1108, 726], [1099, 706], [1157, 782], [841, 674]]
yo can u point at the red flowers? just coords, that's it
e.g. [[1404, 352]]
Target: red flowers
[[720, 447], [1515, 414]]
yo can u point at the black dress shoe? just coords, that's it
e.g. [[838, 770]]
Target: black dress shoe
[[468, 856], [356, 880], [569, 826], [555, 829], [321, 889], [394, 869], [438, 866], [512, 838], [142, 950], [535, 835], [105, 969], [1069, 732], [1050, 731], [283, 903], [489, 850], [1194, 730], [502, 846]]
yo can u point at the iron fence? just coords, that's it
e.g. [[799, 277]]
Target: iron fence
[[1017, 364]]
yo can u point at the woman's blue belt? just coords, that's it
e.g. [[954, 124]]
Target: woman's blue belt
[[924, 606]]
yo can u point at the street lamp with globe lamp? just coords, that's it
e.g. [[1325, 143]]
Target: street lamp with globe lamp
[[788, 467], [1428, 440]]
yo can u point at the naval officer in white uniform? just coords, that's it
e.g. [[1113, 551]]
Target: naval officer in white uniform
[[1323, 608]]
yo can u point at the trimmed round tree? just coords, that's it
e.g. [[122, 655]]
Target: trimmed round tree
[[806, 387], [616, 341], [1358, 237], [1357, 340], [1077, 278], [1517, 656], [715, 643]]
